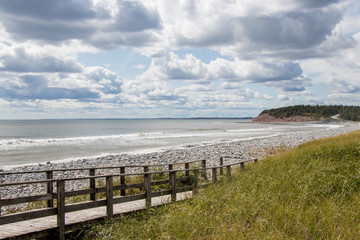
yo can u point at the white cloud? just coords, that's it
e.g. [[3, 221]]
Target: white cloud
[[284, 48], [20, 60]]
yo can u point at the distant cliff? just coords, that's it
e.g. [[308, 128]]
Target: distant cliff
[[305, 113]]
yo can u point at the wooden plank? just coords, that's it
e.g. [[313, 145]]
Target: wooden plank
[[221, 164], [18, 217], [102, 189], [109, 197], [84, 205], [135, 185], [24, 183], [160, 193], [85, 192], [50, 188], [61, 208], [187, 172], [203, 165], [12, 201], [171, 167], [173, 186], [147, 182], [214, 175], [228, 170], [129, 198], [92, 183], [88, 168], [196, 177], [160, 182], [122, 181]]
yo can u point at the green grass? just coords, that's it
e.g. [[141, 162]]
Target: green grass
[[310, 192]]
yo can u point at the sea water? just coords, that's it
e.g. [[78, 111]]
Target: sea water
[[39, 141]]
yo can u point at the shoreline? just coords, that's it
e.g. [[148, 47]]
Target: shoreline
[[241, 149], [234, 148]]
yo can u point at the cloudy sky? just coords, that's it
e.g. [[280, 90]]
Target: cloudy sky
[[184, 58]]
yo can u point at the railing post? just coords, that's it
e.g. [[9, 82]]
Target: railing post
[[221, 164], [203, 165], [187, 166], [122, 181], [109, 196], [147, 186], [61, 208], [242, 165], [50, 188], [196, 172], [173, 186], [228, 170], [171, 167], [214, 175], [92, 183]]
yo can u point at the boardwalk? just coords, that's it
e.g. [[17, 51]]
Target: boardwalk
[[104, 196], [40, 227]]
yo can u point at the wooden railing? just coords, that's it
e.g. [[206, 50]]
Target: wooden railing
[[191, 179]]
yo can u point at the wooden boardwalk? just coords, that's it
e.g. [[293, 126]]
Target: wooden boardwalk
[[40, 227], [106, 195]]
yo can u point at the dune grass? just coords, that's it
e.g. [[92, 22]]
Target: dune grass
[[310, 192]]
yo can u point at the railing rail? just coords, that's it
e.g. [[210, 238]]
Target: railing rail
[[96, 168], [190, 179]]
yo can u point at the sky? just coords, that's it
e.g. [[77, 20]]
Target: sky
[[181, 58]]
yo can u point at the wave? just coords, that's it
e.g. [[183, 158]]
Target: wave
[[7, 144], [250, 130]]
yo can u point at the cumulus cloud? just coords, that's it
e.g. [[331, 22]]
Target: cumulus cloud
[[37, 87], [134, 17], [282, 30], [42, 9], [188, 68], [19, 60], [94, 24], [287, 76], [47, 21], [93, 84], [109, 81]]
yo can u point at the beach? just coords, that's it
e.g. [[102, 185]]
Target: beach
[[235, 151]]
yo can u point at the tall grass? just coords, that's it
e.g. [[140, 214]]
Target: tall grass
[[310, 192]]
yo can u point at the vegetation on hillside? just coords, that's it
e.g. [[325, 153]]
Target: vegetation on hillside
[[351, 113], [310, 192]]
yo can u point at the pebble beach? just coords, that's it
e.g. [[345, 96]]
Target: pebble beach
[[235, 150]]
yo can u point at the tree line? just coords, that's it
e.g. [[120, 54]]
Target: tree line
[[351, 113]]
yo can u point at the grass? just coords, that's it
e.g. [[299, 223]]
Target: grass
[[310, 192]]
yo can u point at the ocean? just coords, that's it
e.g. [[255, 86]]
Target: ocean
[[38, 141]]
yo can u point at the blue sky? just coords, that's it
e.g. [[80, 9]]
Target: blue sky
[[158, 58]]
